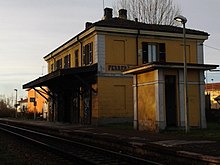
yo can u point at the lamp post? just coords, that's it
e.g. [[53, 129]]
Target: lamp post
[[183, 20], [16, 95]]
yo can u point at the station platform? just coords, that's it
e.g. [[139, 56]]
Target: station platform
[[138, 142]]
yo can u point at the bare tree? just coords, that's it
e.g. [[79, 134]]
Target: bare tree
[[150, 11]]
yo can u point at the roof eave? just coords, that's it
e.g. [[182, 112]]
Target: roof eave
[[70, 42], [153, 66]]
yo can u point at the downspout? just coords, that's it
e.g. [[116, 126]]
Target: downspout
[[81, 54], [135, 90], [54, 65], [81, 50], [51, 100], [135, 87], [137, 44]]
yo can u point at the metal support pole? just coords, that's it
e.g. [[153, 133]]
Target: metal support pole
[[35, 104], [16, 100], [183, 20], [186, 110]]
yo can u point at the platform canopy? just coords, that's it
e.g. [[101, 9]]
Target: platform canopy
[[167, 65], [66, 78]]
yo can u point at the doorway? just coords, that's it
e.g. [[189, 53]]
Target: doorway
[[170, 98]]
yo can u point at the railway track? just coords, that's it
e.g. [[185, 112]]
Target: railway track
[[75, 152]]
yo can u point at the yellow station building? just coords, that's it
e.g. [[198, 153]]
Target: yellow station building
[[38, 101], [86, 84]]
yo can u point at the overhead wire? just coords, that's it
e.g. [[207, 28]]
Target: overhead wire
[[218, 49]]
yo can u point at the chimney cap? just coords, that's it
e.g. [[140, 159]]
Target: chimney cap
[[108, 13], [88, 24], [123, 13]]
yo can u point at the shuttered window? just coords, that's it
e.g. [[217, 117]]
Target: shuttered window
[[67, 61], [88, 54], [153, 52], [76, 58], [58, 64]]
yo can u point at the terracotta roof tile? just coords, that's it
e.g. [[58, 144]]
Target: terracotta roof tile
[[212, 86]]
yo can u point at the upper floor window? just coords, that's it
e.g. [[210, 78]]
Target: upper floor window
[[153, 52], [67, 61], [88, 54], [76, 58], [51, 67], [58, 64]]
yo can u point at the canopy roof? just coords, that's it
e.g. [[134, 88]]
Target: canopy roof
[[157, 65], [65, 77]]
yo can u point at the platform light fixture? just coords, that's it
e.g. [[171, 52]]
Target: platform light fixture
[[183, 21]]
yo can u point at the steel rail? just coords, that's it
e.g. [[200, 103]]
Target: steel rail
[[56, 150], [118, 155]]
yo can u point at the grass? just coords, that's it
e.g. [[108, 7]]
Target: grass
[[211, 133]]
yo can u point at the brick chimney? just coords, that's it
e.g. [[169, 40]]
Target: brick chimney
[[123, 13], [88, 24], [107, 13]]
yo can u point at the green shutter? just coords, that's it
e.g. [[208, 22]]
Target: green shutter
[[162, 52]]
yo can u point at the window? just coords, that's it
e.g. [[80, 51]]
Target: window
[[67, 61], [153, 52], [76, 58], [58, 64], [88, 54], [51, 67]]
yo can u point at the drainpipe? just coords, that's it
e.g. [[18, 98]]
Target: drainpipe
[[54, 61], [135, 90], [135, 87], [81, 52], [137, 43]]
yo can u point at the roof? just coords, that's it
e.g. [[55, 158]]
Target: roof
[[63, 77], [168, 65], [23, 100], [212, 86], [129, 24]]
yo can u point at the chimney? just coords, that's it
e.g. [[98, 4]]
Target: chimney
[[136, 19], [107, 13], [88, 24], [123, 13]]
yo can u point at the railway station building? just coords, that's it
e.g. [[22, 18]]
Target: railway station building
[[37, 101], [86, 83]]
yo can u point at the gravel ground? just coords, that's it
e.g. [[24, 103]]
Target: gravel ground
[[14, 151]]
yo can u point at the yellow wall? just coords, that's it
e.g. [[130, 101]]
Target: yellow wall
[[71, 50], [39, 99], [147, 101], [174, 49], [115, 97], [147, 98], [120, 50], [194, 98]]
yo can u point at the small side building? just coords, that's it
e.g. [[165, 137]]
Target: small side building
[[38, 101], [22, 105], [158, 89]]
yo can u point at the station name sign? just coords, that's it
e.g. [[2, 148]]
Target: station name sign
[[116, 68]]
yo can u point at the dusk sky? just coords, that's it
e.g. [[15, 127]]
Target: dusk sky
[[30, 29]]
